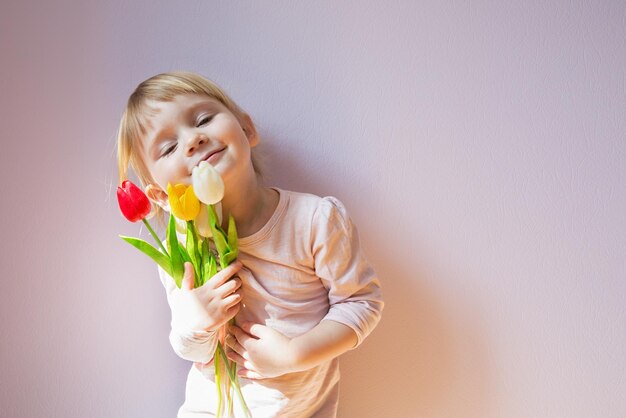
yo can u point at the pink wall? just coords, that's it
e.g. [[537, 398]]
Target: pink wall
[[480, 147]]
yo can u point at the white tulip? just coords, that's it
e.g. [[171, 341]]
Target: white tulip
[[202, 220], [207, 183], [181, 226]]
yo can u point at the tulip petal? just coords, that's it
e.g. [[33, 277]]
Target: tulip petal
[[192, 203], [207, 183], [183, 202], [202, 222], [181, 226], [134, 204], [174, 200]]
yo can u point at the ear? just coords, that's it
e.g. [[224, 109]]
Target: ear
[[250, 130], [158, 196]]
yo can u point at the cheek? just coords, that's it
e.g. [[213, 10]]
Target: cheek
[[162, 174], [175, 173]]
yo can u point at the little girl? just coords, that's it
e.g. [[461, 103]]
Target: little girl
[[302, 292]]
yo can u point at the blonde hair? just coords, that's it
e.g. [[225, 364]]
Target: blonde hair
[[163, 87]]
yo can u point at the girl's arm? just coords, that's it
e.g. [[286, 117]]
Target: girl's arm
[[263, 352], [329, 339]]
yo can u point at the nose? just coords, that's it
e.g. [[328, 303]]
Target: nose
[[196, 142]]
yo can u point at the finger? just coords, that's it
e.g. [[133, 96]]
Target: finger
[[188, 282], [232, 311], [229, 314], [237, 348], [229, 340], [229, 287], [242, 337], [236, 358], [232, 300], [249, 374], [243, 364], [256, 330], [225, 274]]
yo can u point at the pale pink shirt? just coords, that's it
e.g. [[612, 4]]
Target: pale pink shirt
[[303, 266]]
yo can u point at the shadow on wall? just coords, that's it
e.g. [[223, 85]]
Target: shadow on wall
[[417, 363], [428, 356]]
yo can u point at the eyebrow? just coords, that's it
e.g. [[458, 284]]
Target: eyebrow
[[154, 139]]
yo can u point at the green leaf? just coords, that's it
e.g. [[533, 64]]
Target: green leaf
[[212, 266], [214, 221], [205, 273], [185, 258], [203, 251], [209, 268], [228, 258], [212, 215], [175, 256], [184, 254], [232, 235], [156, 255], [221, 245], [204, 259], [219, 236], [192, 250]]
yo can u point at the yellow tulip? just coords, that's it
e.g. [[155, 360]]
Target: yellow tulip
[[183, 202]]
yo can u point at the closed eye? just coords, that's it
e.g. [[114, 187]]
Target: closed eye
[[167, 151], [205, 120]]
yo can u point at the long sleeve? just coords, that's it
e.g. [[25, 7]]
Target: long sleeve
[[354, 290], [192, 345]]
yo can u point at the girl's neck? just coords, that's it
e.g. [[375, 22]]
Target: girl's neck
[[251, 204]]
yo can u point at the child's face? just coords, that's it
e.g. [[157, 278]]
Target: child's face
[[188, 130]]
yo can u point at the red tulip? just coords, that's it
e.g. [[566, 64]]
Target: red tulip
[[134, 204]]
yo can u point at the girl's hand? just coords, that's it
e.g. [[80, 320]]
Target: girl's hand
[[260, 351], [210, 306]]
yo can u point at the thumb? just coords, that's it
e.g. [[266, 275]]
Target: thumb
[[256, 330], [188, 282]]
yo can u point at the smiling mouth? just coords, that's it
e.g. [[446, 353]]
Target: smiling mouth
[[211, 154]]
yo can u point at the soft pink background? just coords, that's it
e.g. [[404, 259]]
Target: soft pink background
[[480, 146]]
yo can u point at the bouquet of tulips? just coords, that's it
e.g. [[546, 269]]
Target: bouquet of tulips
[[193, 210]]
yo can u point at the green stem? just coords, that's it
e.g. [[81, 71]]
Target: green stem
[[232, 374], [154, 235], [231, 404], [241, 399], [218, 385], [192, 249], [218, 226]]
